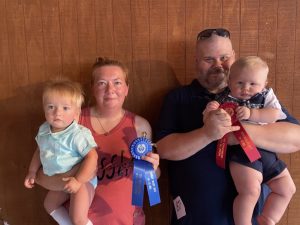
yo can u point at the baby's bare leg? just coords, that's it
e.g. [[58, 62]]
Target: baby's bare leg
[[55, 199], [53, 204], [282, 189], [80, 204], [248, 183]]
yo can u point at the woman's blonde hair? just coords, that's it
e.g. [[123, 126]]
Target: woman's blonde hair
[[65, 87], [103, 61]]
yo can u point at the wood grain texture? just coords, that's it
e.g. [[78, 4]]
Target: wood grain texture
[[155, 39]]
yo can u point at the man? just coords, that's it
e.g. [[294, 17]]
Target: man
[[203, 193]]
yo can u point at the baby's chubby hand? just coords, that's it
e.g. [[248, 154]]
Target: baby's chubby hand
[[72, 185], [243, 113], [30, 179]]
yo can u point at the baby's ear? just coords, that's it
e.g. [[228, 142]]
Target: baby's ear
[[266, 83], [77, 114]]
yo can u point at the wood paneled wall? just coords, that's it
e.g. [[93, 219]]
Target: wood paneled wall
[[40, 39]]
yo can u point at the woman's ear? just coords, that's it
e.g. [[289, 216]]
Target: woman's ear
[[126, 94]]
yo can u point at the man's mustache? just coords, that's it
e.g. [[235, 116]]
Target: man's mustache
[[216, 70]]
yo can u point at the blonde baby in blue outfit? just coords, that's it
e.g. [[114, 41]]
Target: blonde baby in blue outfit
[[62, 144]]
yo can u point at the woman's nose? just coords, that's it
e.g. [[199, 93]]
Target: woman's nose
[[110, 87]]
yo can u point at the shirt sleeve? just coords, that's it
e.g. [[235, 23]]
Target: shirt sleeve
[[271, 101], [84, 141], [167, 123], [289, 117]]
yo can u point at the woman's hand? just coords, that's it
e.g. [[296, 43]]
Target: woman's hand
[[152, 158]]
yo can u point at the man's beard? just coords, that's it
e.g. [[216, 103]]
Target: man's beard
[[216, 78]]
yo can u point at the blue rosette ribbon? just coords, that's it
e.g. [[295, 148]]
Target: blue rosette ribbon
[[143, 173]]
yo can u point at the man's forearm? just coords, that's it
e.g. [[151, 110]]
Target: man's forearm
[[280, 137], [179, 146]]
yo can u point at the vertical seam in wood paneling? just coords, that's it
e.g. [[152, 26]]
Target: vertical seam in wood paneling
[[43, 44], [78, 38], [202, 19], [95, 17], [294, 66], [149, 36], [26, 43], [43, 41], [113, 28], [185, 45], [222, 13], [131, 39], [60, 39], [5, 200], [95, 27], [258, 19], [240, 19], [9, 44], [167, 13], [276, 49]]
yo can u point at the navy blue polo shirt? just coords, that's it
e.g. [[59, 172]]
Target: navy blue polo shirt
[[206, 190]]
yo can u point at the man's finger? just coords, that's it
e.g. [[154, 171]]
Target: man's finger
[[234, 128]]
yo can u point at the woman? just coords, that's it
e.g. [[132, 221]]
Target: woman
[[113, 128]]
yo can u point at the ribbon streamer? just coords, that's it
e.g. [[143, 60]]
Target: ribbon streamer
[[143, 173]]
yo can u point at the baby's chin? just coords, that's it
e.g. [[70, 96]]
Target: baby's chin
[[244, 97]]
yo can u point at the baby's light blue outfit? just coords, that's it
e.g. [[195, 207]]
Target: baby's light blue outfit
[[62, 150]]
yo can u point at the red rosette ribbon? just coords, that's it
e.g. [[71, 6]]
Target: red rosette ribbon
[[241, 135]]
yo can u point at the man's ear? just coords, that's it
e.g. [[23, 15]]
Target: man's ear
[[233, 53]]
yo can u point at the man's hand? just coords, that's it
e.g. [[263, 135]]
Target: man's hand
[[218, 123], [213, 105]]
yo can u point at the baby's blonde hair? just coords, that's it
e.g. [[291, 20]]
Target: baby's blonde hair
[[65, 87], [250, 62]]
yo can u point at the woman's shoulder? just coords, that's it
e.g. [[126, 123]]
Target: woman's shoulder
[[136, 118], [142, 125]]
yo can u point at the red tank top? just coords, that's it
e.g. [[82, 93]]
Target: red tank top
[[112, 201]]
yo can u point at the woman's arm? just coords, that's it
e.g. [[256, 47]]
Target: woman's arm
[[141, 126], [85, 173], [55, 182], [88, 167]]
